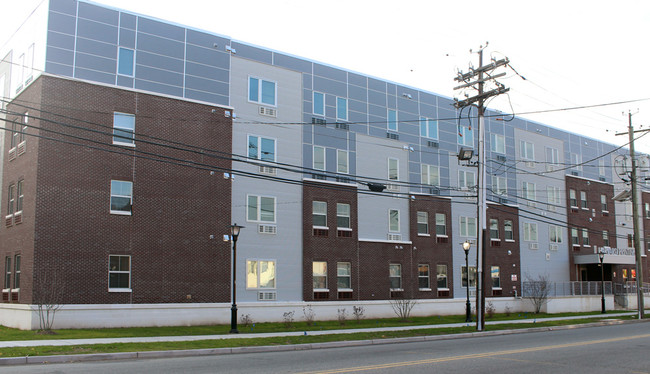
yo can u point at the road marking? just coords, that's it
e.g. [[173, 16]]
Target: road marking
[[476, 355]]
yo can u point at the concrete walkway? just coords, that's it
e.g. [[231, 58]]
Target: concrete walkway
[[63, 342]]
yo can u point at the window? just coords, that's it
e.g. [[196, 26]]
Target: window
[[468, 226], [319, 103], [393, 220], [29, 64], [7, 272], [319, 213], [472, 276], [319, 158], [583, 199], [441, 224], [530, 232], [528, 190], [20, 196], [260, 209], [260, 148], [601, 167], [466, 179], [553, 196], [603, 206], [555, 234], [498, 143], [392, 120], [395, 276], [430, 175], [573, 201], [121, 197], [428, 128], [23, 128], [423, 223], [260, 274], [125, 61], [119, 272], [393, 169], [343, 216], [527, 150], [499, 185], [494, 229], [14, 134], [576, 161], [606, 238], [496, 278], [10, 200], [552, 158], [423, 277], [442, 276], [507, 230], [343, 276], [261, 91], [17, 271], [646, 206], [465, 136], [574, 237], [630, 240], [342, 108], [124, 129], [341, 161], [319, 271], [585, 237]]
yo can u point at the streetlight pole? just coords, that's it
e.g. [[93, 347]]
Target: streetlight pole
[[601, 256], [468, 314], [234, 234]]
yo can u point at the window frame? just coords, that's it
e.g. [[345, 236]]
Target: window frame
[[321, 276], [393, 225], [340, 276], [583, 200], [260, 91], [119, 271], [498, 143], [340, 216], [23, 128], [606, 242], [392, 121], [573, 199], [322, 103], [552, 156], [120, 58], [258, 208], [426, 126], [464, 226], [8, 269], [395, 273], [11, 200], [122, 140], [442, 275], [496, 281], [555, 234], [425, 171], [530, 234], [494, 229], [499, 185], [585, 237], [259, 151], [508, 223], [424, 276], [443, 226], [258, 274], [339, 158], [604, 207], [17, 260], [527, 150], [465, 133], [116, 195], [529, 190], [314, 158], [20, 196], [464, 281], [339, 108], [575, 238], [422, 223], [393, 176], [463, 183], [319, 214]]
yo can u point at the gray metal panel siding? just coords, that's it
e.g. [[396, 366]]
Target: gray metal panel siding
[[94, 75], [357, 93], [377, 98], [98, 13], [64, 6], [127, 38], [96, 48], [96, 31], [161, 29], [377, 85], [160, 76], [123, 81], [160, 62], [292, 63], [330, 72], [61, 23], [331, 87], [206, 40], [207, 56], [58, 69], [128, 21], [160, 88], [56, 39], [206, 85], [105, 65], [161, 46], [205, 71], [253, 53], [221, 99], [306, 81], [357, 80], [59, 56]]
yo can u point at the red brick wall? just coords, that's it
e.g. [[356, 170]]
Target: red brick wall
[[175, 208], [504, 254]]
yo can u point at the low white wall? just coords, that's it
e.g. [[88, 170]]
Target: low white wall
[[132, 315]]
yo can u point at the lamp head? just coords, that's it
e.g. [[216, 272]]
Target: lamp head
[[466, 245], [234, 230]]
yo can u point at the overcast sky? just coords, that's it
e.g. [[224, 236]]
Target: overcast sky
[[572, 53]]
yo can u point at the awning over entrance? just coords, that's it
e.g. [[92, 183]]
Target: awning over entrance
[[622, 256]]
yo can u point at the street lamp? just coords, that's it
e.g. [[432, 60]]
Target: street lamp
[[234, 234], [601, 257], [466, 245]]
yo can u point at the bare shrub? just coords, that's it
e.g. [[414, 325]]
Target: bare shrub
[[358, 311], [342, 316], [402, 307], [537, 290], [309, 314], [508, 310], [48, 297], [246, 320], [490, 309], [287, 318]]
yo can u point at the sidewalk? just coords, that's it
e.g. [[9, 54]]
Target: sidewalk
[[63, 342]]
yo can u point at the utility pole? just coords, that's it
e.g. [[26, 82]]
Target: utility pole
[[482, 74], [635, 217]]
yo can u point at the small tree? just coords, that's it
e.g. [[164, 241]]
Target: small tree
[[342, 316], [48, 296], [403, 307], [309, 314], [358, 312], [288, 319], [537, 290]]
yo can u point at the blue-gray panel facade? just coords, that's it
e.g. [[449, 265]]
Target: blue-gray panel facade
[[59, 40], [95, 48], [93, 75], [59, 56], [128, 21], [98, 13], [292, 63], [161, 46], [127, 38], [206, 40], [86, 61], [330, 73], [205, 71], [159, 62], [161, 29], [253, 53], [157, 87], [207, 56], [64, 6], [62, 23], [208, 86], [159, 76], [96, 31], [207, 97]]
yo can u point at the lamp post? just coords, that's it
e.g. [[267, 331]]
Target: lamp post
[[601, 257], [234, 234], [468, 316]]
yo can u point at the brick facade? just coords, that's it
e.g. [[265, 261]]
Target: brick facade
[[503, 253], [180, 196]]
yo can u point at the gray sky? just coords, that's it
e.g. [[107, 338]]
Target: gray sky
[[573, 53]]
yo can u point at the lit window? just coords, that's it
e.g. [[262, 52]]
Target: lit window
[[260, 274], [423, 277], [430, 175], [342, 108], [428, 128], [496, 278], [442, 276], [423, 223], [498, 143], [472, 276], [121, 197], [260, 148], [342, 161], [119, 272], [343, 276], [468, 226], [319, 103], [441, 224], [319, 275], [393, 220], [260, 209], [530, 232], [465, 136], [392, 120], [125, 61], [319, 158], [261, 91], [343, 216], [395, 276], [123, 129], [319, 213]]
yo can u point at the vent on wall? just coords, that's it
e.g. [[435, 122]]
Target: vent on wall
[[269, 112], [390, 135], [394, 237], [266, 296], [267, 229], [267, 170], [533, 245]]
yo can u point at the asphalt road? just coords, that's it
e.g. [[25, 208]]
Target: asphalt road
[[607, 349]]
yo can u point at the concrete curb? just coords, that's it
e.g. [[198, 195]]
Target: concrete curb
[[283, 348]]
